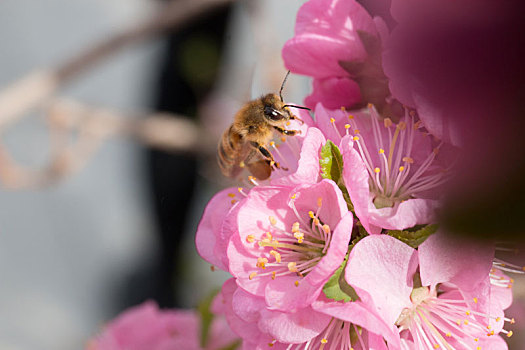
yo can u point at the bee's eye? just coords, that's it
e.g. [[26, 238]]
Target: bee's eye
[[272, 113]]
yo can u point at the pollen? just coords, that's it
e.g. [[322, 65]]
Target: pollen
[[475, 300], [231, 195], [252, 275], [377, 170], [324, 341], [347, 126], [448, 334], [283, 139], [288, 123], [467, 313], [273, 275], [297, 285], [388, 122], [356, 138], [381, 151], [241, 164], [250, 238], [357, 132], [401, 168], [276, 255], [332, 120], [233, 201], [239, 189], [261, 262], [350, 117], [292, 266], [272, 143], [299, 236], [436, 346], [294, 196], [509, 334], [272, 220], [311, 214]]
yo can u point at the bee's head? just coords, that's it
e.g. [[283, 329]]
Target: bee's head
[[274, 109]]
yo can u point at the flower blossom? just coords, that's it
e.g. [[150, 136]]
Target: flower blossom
[[287, 242], [326, 33], [391, 171], [145, 327], [439, 296], [323, 325], [301, 156]]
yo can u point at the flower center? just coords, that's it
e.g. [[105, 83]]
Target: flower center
[[433, 321], [295, 250], [388, 152]]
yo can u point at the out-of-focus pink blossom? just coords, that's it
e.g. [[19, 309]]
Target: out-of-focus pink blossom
[[145, 327], [289, 241], [451, 304], [327, 33]]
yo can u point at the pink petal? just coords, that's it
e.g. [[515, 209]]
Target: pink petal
[[334, 93], [283, 294], [308, 167], [355, 177], [382, 267], [206, 238], [407, 214], [362, 315], [463, 262], [295, 327]]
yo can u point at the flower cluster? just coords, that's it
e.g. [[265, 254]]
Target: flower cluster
[[342, 250]]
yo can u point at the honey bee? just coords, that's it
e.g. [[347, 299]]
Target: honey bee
[[243, 144]]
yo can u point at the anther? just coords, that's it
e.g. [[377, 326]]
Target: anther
[[252, 275], [276, 255], [272, 220], [475, 300], [356, 138], [273, 275], [296, 283], [347, 126], [293, 196], [332, 120], [212, 268], [324, 341], [326, 228], [357, 131], [401, 168], [381, 151], [311, 214], [295, 227], [402, 125], [408, 160], [261, 262], [241, 164], [299, 236], [272, 143], [283, 139], [388, 122], [377, 170], [231, 195], [250, 238], [292, 266], [319, 201], [509, 334], [350, 117]]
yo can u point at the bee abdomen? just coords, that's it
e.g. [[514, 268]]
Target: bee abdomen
[[228, 153]]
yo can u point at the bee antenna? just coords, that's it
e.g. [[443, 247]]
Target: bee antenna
[[298, 107], [282, 86]]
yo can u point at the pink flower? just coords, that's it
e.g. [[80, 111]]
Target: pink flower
[[289, 241], [215, 227], [390, 171], [452, 305], [326, 33], [145, 327], [260, 326], [337, 325]]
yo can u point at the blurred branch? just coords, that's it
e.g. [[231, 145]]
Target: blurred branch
[[92, 126], [33, 90]]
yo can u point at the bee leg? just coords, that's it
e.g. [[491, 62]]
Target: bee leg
[[266, 153], [294, 117], [287, 132]]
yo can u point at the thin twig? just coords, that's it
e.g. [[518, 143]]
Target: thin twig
[[35, 89]]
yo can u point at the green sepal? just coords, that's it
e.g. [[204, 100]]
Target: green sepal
[[414, 236], [337, 289], [206, 317], [331, 162]]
